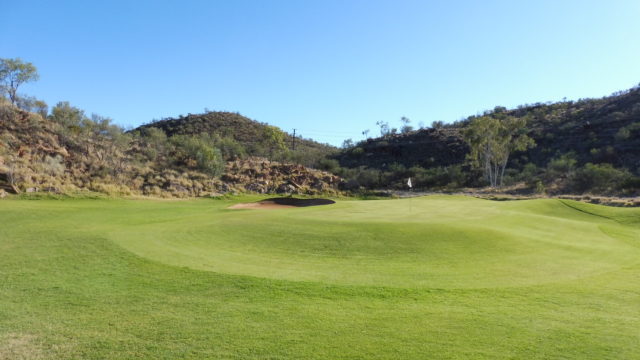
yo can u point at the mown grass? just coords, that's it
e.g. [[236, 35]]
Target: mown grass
[[435, 277]]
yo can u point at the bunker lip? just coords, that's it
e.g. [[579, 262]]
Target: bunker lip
[[282, 203]]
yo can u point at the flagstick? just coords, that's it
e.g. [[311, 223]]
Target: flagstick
[[410, 193]]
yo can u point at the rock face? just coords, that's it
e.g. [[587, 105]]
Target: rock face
[[263, 176], [5, 187]]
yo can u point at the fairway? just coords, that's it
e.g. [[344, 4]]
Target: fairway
[[448, 277]]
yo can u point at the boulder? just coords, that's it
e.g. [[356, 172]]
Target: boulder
[[256, 187], [285, 189]]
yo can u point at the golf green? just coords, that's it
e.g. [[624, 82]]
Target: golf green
[[430, 277], [437, 242]]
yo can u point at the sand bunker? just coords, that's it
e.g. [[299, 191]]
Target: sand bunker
[[282, 203]]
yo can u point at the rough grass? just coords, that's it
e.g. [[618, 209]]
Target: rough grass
[[435, 277]]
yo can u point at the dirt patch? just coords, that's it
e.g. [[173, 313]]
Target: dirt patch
[[20, 347], [282, 203]]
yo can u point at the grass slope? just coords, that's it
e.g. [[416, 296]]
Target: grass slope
[[435, 277]]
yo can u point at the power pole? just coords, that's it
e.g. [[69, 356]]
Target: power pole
[[294, 140]]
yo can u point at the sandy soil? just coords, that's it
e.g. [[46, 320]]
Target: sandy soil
[[267, 205], [282, 203]]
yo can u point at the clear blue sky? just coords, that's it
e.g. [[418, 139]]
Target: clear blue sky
[[328, 68]]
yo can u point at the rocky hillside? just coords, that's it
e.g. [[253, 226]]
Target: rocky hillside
[[425, 148], [263, 176], [58, 154], [605, 130]]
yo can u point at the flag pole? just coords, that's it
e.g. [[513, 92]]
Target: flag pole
[[410, 193]]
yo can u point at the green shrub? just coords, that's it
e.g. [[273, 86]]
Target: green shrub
[[529, 174], [330, 165], [357, 151], [230, 148], [631, 184], [561, 167], [600, 178], [198, 152]]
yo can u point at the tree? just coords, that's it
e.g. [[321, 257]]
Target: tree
[[70, 117], [273, 139], [15, 72], [198, 152], [384, 128], [492, 139], [406, 127], [31, 104]]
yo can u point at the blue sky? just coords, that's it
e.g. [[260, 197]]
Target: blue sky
[[330, 69]]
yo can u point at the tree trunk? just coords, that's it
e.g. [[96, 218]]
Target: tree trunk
[[504, 165]]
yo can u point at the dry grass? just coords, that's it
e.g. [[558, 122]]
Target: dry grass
[[20, 347]]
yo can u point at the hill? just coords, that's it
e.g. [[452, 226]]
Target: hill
[[600, 132], [67, 152], [251, 135]]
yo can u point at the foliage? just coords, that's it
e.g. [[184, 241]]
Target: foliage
[[15, 72], [273, 140], [561, 167], [68, 116], [240, 136], [199, 153], [597, 131], [600, 178], [31, 104], [492, 139], [406, 127]]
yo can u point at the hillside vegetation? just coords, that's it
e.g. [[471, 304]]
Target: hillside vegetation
[[590, 145], [67, 152], [250, 137]]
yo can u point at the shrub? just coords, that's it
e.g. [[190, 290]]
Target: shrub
[[631, 184], [529, 174], [330, 165], [230, 148], [198, 152], [369, 178], [599, 178], [561, 167]]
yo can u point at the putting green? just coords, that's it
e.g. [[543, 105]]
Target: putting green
[[432, 242], [439, 277]]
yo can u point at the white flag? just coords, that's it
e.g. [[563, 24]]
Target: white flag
[[409, 183]]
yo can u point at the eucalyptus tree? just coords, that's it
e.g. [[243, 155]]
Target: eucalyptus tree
[[492, 139], [15, 72]]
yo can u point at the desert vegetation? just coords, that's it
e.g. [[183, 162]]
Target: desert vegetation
[[569, 147], [583, 147]]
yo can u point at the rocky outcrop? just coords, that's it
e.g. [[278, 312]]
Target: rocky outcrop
[[266, 177], [38, 155]]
